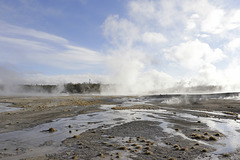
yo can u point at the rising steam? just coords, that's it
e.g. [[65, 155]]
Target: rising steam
[[156, 47]]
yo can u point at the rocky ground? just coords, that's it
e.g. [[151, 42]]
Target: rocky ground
[[142, 128]]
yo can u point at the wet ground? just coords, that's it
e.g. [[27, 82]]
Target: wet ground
[[136, 127]]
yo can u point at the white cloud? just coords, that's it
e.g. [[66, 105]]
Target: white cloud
[[136, 7], [210, 16], [191, 24], [153, 37], [156, 13], [194, 16], [26, 46], [11, 30], [166, 13], [219, 21], [233, 20], [21, 43], [233, 44], [202, 35], [179, 24], [120, 32], [79, 54], [214, 22], [137, 39], [194, 54], [200, 7], [71, 57]]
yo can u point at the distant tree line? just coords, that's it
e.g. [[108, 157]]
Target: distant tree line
[[39, 88], [80, 88]]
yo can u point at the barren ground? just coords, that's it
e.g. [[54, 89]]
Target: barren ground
[[117, 127]]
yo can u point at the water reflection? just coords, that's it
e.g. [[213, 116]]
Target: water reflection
[[33, 138], [230, 128], [4, 107]]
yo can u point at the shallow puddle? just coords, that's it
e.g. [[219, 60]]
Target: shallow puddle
[[38, 138], [230, 128], [4, 107]]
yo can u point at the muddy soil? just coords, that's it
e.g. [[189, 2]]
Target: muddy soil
[[117, 127]]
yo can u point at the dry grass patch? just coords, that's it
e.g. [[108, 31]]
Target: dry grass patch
[[101, 155], [218, 134], [75, 136], [147, 152], [122, 148], [206, 133], [198, 136], [184, 149], [51, 130], [197, 144], [204, 150], [226, 155], [230, 113], [147, 148], [212, 138]]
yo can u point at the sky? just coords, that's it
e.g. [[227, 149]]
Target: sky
[[140, 45]]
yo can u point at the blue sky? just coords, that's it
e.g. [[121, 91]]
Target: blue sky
[[160, 43], [75, 20]]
